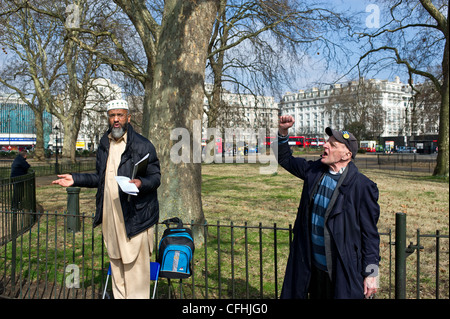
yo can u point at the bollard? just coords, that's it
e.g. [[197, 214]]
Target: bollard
[[73, 208], [400, 256]]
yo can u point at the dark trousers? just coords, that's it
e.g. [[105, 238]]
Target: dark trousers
[[320, 286]]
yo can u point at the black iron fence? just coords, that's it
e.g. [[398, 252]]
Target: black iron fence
[[412, 162], [19, 194], [48, 260], [405, 162], [440, 268], [398, 162], [45, 169], [51, 259], [60, 255]]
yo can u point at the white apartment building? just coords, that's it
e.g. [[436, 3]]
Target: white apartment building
[[315, 109], [244, 111], [94, 121]]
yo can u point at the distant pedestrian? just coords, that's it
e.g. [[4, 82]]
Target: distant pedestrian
[[19, 167]]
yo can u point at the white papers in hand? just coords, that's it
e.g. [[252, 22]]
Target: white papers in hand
[[126, 186]]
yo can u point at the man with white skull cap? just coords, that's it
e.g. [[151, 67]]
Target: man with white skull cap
[[127, 221]]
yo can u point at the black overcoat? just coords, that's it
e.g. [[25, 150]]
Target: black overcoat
[[142, 211], [19, 166], [351, 234]]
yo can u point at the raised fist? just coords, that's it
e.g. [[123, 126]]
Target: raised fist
[[285, 122]]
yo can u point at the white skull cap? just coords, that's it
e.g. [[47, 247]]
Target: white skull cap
[[116, 104]]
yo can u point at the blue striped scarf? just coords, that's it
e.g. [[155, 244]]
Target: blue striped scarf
[[321, 201]]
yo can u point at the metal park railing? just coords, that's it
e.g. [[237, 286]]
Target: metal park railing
[[18, 193], [54, 260]]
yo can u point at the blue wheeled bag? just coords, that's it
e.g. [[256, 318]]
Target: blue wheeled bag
[[176, 249]]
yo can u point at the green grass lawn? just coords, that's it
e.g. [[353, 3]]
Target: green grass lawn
[[239, 264]]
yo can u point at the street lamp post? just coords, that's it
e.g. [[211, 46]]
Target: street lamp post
[[56, 128]]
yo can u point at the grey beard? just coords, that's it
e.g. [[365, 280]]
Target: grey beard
[[118, 132]]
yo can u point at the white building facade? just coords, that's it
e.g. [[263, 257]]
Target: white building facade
[[245, 111], [315, 109], [94, 121]]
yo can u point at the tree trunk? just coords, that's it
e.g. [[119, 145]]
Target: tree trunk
[[39, 147], [176, 102], [442, 165], [147, 108], [71, 129]]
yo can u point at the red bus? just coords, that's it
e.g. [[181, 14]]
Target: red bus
[[293, 141], [368, 146], [315, 141], [299, 141], [268, 139], [218, 145]]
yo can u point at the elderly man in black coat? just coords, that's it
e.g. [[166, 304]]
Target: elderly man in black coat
[[335, 250]]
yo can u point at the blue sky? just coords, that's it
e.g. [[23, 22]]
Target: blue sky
[[365, 14], [313, 69]]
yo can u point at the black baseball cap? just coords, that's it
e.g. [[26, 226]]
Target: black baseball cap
[[346, 138]]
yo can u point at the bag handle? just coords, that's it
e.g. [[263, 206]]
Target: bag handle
[[174, 220]]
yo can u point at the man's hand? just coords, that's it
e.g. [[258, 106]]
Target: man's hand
[[370, 286], [137, 182], [286, 121], [64, 180]]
